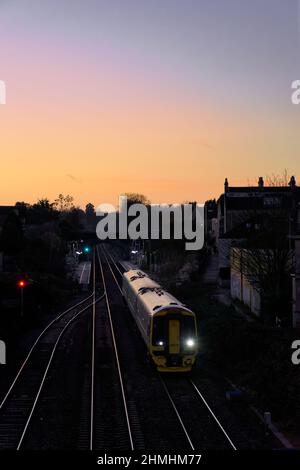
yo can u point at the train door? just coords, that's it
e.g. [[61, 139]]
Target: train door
[[174, 336]]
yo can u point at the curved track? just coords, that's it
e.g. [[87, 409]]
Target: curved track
[[126, 404], [18, 405]]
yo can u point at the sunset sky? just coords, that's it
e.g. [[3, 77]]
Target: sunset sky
[[163, 97]]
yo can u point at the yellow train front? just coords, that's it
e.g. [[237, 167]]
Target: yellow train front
[[166, 325]]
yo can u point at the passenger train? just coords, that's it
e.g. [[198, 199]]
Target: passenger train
[[167, 326]]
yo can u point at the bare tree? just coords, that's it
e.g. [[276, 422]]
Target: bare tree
[[265, 260], [136, 198], [64, 203], [278, 180]]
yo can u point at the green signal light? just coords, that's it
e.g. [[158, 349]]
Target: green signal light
[[86, 249]]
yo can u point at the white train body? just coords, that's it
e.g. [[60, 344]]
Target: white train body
[[167, 326]]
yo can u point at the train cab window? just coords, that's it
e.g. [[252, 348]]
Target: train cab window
[[159, 331], [188, 332]]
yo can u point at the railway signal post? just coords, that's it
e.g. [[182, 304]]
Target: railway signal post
[[22, 285]]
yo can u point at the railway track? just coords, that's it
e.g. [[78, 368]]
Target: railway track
[[203, 429], [104, 422], [116, 421], [126, 404], [197, 420], [149, 427], [18, 406], [105, 407]]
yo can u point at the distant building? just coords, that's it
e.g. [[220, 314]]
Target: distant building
[[238, 207], [296, 277], [5, 211]]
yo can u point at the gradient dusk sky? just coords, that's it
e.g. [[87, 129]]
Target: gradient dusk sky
[[163, 97]]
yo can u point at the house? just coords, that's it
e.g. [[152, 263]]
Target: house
[[240, 205], [296, 286], [242, 288], [296, 276], [5, 211]]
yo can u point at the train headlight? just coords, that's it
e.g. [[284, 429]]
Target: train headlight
[[190, 343]]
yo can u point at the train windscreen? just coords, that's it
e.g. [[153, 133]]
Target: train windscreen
[[188, 333], [160, 332]]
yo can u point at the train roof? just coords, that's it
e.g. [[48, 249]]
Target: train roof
[[151, 293], [138, 279]]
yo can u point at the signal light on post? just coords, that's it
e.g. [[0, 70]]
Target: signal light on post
[[21, 285]]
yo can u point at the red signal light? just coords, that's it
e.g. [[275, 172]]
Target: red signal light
[[21, 284]]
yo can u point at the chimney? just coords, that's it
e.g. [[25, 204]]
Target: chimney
[[226, 185], [292, 182], [261, 182]]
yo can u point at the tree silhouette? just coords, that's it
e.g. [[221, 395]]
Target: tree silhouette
[[12, 237], [42, 211], [265, 260], [136, 198], [64, 203]]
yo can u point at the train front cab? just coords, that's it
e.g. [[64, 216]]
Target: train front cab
[[174, 344]]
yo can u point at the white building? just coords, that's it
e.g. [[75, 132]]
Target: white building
[[242, 289]]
